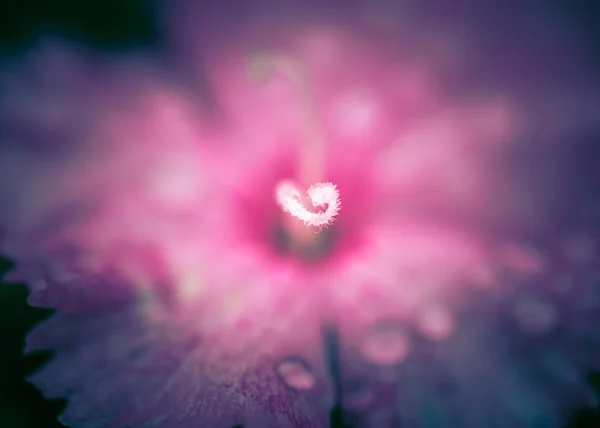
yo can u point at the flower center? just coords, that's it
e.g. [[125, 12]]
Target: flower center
[[310, 250], [261, 223]]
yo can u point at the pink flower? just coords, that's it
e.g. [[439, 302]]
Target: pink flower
[[459, 274]]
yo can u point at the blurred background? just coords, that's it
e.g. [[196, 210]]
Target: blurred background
[[122, 26], [108, 26]]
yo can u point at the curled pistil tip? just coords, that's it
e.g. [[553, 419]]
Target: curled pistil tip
[[323, 196]]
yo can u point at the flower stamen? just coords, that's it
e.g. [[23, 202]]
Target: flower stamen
[[289, 199]]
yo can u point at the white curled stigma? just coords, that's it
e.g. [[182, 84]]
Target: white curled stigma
[[321, 195]]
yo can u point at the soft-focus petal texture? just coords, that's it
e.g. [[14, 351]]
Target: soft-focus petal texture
[[461, 273]]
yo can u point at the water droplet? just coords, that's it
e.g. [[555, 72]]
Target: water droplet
[[296, 373], [436, 323], [534, 315], [386, 344], [358, 394]]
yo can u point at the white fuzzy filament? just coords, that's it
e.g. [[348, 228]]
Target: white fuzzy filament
[[321, 195]]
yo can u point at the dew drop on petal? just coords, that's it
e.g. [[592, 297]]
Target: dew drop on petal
[[436, 323], [534, 315], [386, 344], [296, 373]]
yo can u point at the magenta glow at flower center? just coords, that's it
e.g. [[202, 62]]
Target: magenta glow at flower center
[[173, 242]]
